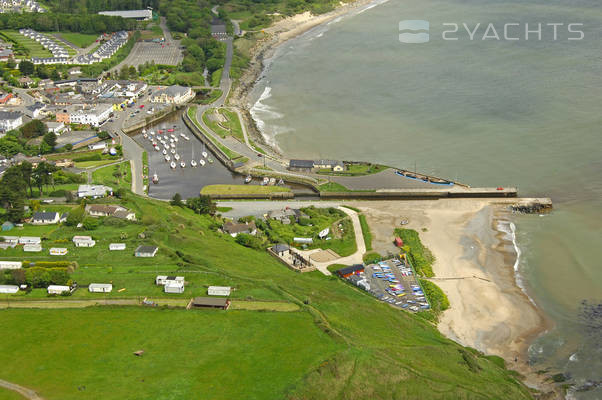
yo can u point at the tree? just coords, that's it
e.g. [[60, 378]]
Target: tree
[[26, 67], [176, 200], [50, 139], [202, 205], [10, 64], [33, 128], [55, 75], [124, 72]]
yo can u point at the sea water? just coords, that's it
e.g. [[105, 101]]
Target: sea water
[[524, 113]]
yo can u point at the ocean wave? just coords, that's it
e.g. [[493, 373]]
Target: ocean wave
[[371, 5], [261, 112]]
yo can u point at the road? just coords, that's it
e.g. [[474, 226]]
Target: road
[[133, 152]]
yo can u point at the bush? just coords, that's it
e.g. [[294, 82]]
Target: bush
[[39, 277], [437, 298], [91, 223], [420, 257], [250, 241], [58, 193], [371, 258], [89, 157]]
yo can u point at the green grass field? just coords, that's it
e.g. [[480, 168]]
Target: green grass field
[[31, 47], [243, 189], [81, 40], [229, 127], [105, 175], [342, 343], [229, 153], [93, 164]]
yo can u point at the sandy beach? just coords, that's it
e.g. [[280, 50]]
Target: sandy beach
[[474, 267]]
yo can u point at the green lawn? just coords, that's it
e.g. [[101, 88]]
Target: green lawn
[[31, 47], [232, 155], [93, 164], [105, 175], [342, 343], [216, 77], [242, 189], [6, 394], [333, 187], [356, 170], [229, 127], [81, 40], [186, 353], [366, 232]]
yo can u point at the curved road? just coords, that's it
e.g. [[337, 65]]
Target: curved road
[[23, 391]]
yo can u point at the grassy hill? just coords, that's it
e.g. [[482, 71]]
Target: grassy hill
[[340, 344]]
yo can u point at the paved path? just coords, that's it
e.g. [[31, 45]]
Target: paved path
[[23, 391]]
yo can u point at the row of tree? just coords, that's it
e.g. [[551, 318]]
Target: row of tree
[[94, 6], [81, 23]]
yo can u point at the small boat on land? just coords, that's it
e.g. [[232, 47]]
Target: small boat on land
[[173, 165], [156, 148], [202, 162], [160, 131], [280, 182], [155, 178], [167, 158], [210, 160], [186, 137], [173, 145], [265, 181], [248, 179], [145, 135], [170, 130], [204, 154], [183, 164], [193, 163], [152, 133], [176, 157], [272, 181], [172, 151], [164, 152], [143, 130]]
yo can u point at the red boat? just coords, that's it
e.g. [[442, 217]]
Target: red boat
[[160, 131], [170, 130]]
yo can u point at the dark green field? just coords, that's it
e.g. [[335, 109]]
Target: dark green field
[[342, 343]]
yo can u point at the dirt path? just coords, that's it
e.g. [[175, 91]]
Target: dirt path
[[23, 391]]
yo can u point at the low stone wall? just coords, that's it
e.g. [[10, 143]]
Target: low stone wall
[[266, 196], [208, 142], [153, 119]]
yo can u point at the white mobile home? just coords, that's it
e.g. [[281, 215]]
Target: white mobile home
[[12, 240], [10, 264], [30, 240], [100, 288], [174, 287], [9, 289], [58, 289], [83, 241], [32, 248], [117, 246], [219, 291], [58, 251], [164, 280]]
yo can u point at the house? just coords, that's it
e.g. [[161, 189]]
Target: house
[[58, 289], [302, 240], [285, 215], [352, 270], [94, 116], [174, 287], [25, 81], [5, 97], [83, 241], [209, 302], [174, 94], [45, 218], [100, 288], [109, 210], [117, 246], [10, 120], [12, 240], [325, 164], [10, 264], [281, 249], [7, 226], [219, 291], [33, 111], [94, 191], [301, 165], [146, 251], [56, 127], [338, 166], [32, 248], [30, 240], [163, 280], [65, 163], [9, 289], [58, 251], [5, 245], [233, 229], [97, 146]]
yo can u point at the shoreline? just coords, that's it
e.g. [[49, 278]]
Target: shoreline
[[278, 34], [474, 266]]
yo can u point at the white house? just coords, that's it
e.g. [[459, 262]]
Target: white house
[[146, 251], [164, 279], [58, 289], [10, 120], [55, 127], [100, 288], [32, 248], [58, 251], [174, 287], [219, 291], [12, 240], [117, 246], [97, 146], [93, 116], [45, 218], [83, 241], [9, 289], [173, 95], [10, 264], [30, 240], [234, 229], [94, 191]]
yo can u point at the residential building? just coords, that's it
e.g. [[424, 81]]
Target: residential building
[[30, 240], [58, 289], [301, 165], [35, 110], [45, 218], [117, 246], [284, 215], [209, 302], [10, 264], [32, 248], [94, 191], [56, 127], [163, 280], [146, 251], [109, 210], [233, 228], [219, 291], [83, 241], [9, 289], [352, 270], [100, 288], [25, 81], [10, 120], [94, 116], [172, 95], [5, 97], [174, 287], [58, 251], [281, 249]]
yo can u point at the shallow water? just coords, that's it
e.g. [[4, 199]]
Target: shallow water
[[490, 113]]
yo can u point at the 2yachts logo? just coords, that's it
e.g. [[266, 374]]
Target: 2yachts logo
[[418, 31]]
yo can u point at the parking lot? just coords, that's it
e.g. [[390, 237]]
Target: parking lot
[[161, 53], [394, 281]]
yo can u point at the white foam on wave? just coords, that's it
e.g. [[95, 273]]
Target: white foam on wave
[[509, 230], [371, 5], [262, 112]]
